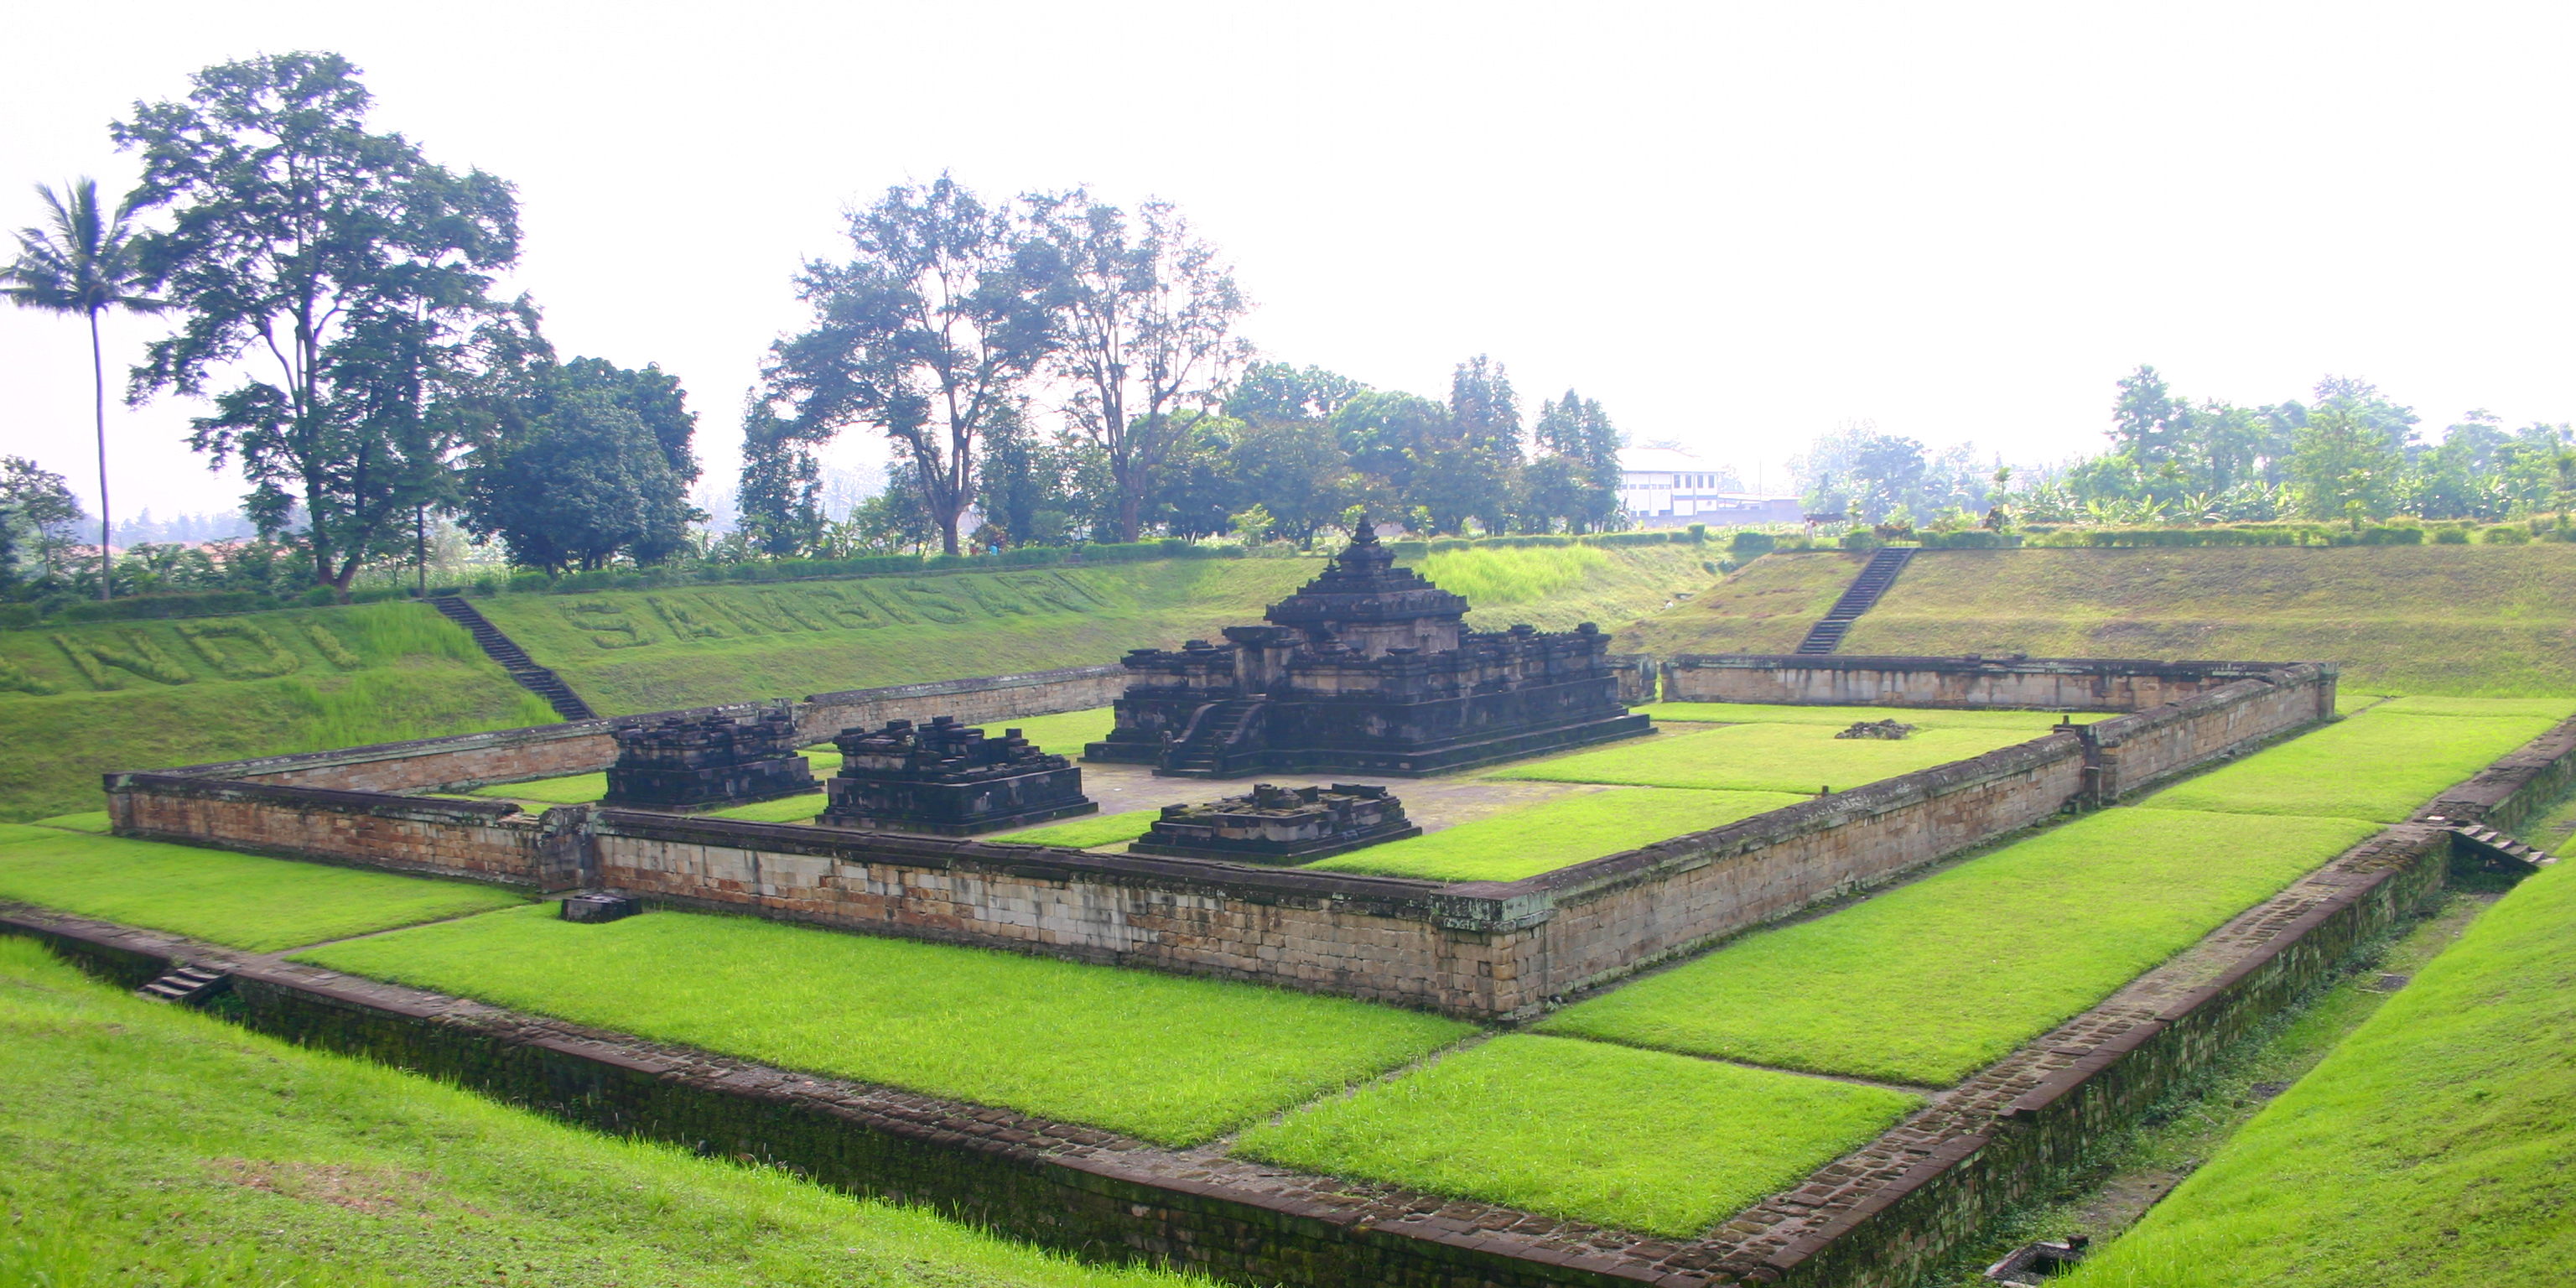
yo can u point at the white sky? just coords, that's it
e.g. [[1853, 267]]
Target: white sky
[[1735, 225]]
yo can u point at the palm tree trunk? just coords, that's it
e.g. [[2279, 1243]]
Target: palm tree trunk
[[98, 388]]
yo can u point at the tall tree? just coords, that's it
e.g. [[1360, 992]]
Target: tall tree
[[1575, 430], [1484, 409], [49, 515], [339, 263], [84, 262], [1145, 312], [923, 334], [2345, 468], [1278, 391], [2146, 421], [589, 461], [779, 501]]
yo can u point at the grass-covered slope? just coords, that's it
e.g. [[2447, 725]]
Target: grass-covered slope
[[1159, 1056], [1765, 607], [2486, 620], [1636, 1139], [79, 701], [630, 651], [240, 900], [2431, 1149], [1932, 980], [145, 1144]]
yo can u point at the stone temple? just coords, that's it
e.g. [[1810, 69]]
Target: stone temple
[[1367, 669], [1279, 824], [948, 779], [683, 763]]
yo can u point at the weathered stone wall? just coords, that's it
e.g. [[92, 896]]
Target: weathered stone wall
[[1613, 915], [989, 700], [1638, 673], [1373, 937], [2053, 684], [2130, 753], [483, 840]]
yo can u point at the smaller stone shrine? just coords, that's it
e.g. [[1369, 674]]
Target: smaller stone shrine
[[1279, 825], [948, 779], [713, 761]]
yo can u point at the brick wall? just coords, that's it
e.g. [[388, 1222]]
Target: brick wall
[[484, 840], [2133, 752], [2059, 684]]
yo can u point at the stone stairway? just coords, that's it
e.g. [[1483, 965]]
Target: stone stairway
[[1875, 577], [187, 985], [1202, 753], [506, 651], [2501, 852]]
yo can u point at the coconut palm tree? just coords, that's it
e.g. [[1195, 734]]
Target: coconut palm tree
[[85, 264]]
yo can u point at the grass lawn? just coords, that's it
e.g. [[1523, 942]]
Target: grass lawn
[[1764, 607], [582, 789], [2033, 723], [1158, 1056], [2430, 1148], [2550, 709], [2469, 620], [1086, 832], [799, 808], [1062, 734], [1637, 1139], [87, 821], [240, 900], [145, 1144], [2380, 765], [1938, 978], [1767, 757], [1552, 834]]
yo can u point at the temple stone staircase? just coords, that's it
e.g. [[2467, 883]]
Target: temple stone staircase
[[506, 651], [2501, 853], [1200, 753], [187, 984], [1875, 577]]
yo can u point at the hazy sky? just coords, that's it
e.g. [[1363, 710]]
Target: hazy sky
[[1734, 225]]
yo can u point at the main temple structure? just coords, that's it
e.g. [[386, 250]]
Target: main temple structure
[[1368, 669]]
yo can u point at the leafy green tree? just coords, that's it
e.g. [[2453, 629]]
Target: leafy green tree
[[45, 506], [923, 334], [1576, 429], [1016, 481], [84, 262], [2146, 421], [2345, 468], [779, 499], [594, 463], [1383, 432], [1198, 492], [1278, 391], [1295, 470], [1144, 311], [342, 259], [2361, 400]]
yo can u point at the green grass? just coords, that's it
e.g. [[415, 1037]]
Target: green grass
[[2464, 620], [1552, 834], [2380, 765], [2031, 723], [1764, 607], [142, 1143], [2430, 1148], [1636, 1139], [1158, 1056], [403, 672], [786, 809], [2550, 709], [87, 821], [1767, 757], [1084, 833], [569, 789], [1938, 978], [240, 900], [1062, 734]]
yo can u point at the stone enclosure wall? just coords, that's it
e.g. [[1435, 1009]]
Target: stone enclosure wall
[[2046, 684], [1485, 950]]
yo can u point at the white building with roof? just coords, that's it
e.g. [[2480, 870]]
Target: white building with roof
[[1660, 487]]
